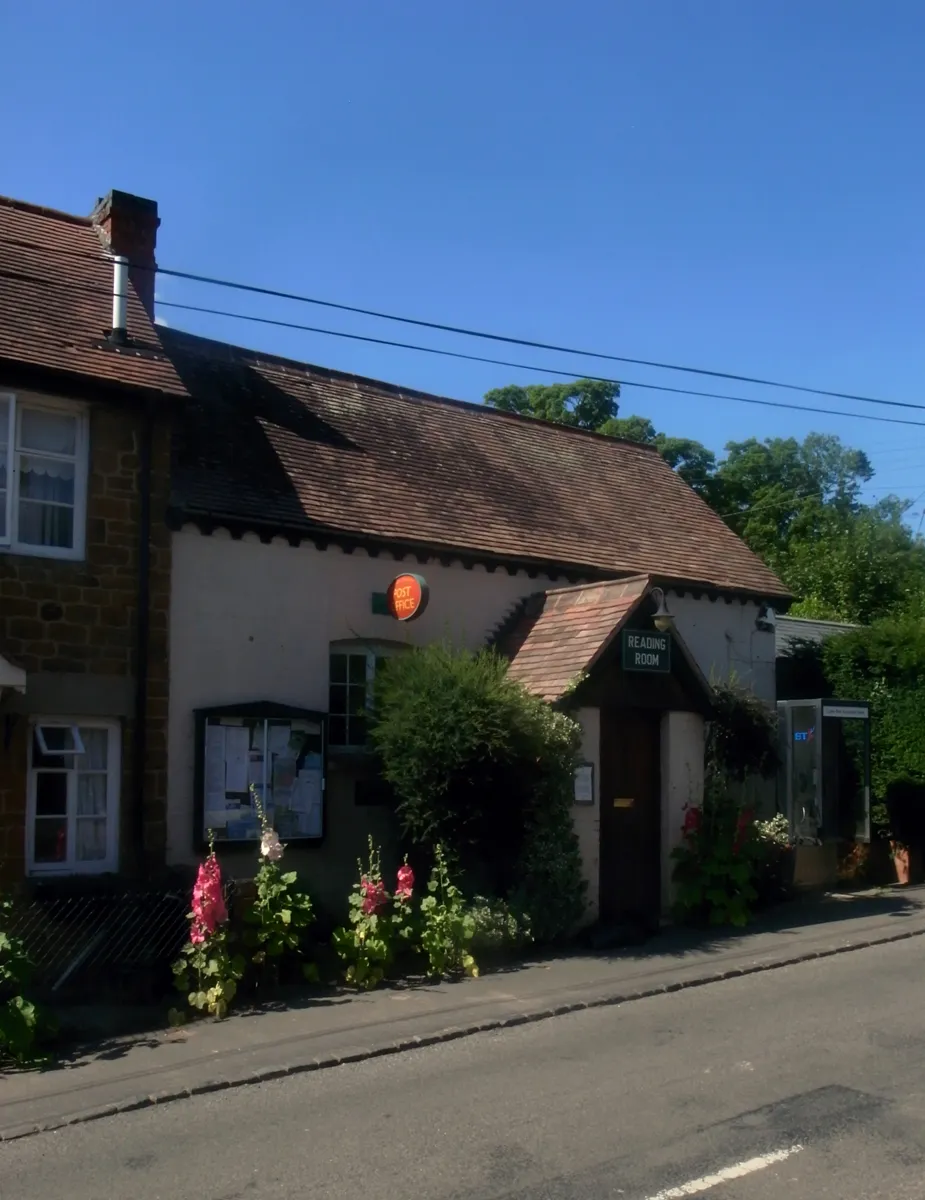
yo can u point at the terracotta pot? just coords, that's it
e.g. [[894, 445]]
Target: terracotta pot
[[900, 856]]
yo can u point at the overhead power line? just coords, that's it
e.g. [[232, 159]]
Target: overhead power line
[[784, 501], [516, 366], [462, 331], [555, 371]]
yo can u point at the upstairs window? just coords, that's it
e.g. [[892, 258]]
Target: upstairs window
[[43, 471]]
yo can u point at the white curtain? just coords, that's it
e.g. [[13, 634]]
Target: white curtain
[[92, 781], [46, 501]]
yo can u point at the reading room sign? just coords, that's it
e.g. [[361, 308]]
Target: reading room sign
[[407, 597], [645, 651]]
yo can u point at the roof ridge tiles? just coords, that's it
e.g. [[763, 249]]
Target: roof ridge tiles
[[42, 210]]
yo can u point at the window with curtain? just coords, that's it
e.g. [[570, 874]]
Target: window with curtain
[[42, 477], [73, 801]]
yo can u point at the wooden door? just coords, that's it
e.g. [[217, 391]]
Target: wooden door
[[630, 798]]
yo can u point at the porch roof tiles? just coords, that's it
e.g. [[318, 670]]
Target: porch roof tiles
[[560, 634]]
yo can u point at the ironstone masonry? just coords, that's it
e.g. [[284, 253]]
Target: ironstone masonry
[[71, 626]]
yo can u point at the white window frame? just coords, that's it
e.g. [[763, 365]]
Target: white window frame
[[357, 649], [72, 866], [8, 538], [77, 746]]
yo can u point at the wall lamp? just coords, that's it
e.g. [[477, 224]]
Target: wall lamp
[[661, 618]]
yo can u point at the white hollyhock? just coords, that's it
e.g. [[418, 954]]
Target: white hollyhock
[[270, 846]]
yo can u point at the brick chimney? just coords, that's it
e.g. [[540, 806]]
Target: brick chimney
[[128, 225]]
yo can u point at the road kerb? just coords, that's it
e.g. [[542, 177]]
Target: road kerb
[[450, 1034]]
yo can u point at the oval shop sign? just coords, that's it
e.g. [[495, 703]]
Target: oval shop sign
[[407, 597]]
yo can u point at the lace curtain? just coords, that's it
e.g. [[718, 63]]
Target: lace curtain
[[46, 501]]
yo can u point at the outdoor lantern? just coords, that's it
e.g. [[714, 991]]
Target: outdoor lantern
[[662, 618]]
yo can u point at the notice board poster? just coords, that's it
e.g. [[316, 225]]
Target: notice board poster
[[279, 761]]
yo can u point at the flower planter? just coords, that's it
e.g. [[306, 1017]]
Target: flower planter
[[901, 862]]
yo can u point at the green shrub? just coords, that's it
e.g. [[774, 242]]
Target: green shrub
[[379, 926], [19, 1017], [773, 854], [486, 769], [499, 929], [714, 869], [741, 735], [884, 664], [773, 834], [551, 888], [276, 919], [447, 928], [449, 728]]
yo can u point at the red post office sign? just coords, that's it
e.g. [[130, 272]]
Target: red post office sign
[[407, 597]]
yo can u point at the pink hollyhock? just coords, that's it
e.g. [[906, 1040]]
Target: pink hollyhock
[[376, 896], [209, 909], [405, 883], [691, 821]]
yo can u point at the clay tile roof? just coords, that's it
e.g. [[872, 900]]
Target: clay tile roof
[[56, 303], [558, 635], [272, 441]]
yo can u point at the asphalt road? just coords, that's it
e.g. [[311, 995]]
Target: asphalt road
[[805, 1082]]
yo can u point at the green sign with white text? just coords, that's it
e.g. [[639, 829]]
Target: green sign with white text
[[645, 651]]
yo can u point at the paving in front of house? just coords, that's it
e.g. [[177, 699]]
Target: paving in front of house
[[170, 1064]]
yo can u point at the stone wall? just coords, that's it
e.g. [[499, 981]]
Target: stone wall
[[72, 627]]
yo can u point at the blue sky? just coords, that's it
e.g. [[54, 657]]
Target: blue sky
[[731, 185]]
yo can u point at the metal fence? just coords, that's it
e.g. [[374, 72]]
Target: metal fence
[[104, 942]]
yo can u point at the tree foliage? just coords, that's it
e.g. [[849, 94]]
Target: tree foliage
[[585, 404], [797, 504], [741, 735], [885, 664]]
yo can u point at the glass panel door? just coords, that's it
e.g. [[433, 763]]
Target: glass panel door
[[805, 813]]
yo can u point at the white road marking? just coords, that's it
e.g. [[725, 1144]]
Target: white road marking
[[705, 1182]]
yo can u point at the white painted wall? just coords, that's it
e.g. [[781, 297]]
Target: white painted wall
[[587, 816], [723, 639], [682, 784], [250, 622]]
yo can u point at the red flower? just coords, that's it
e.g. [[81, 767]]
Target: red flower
[[209, 909], [405, 883], [692, 819], [376, 897]]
